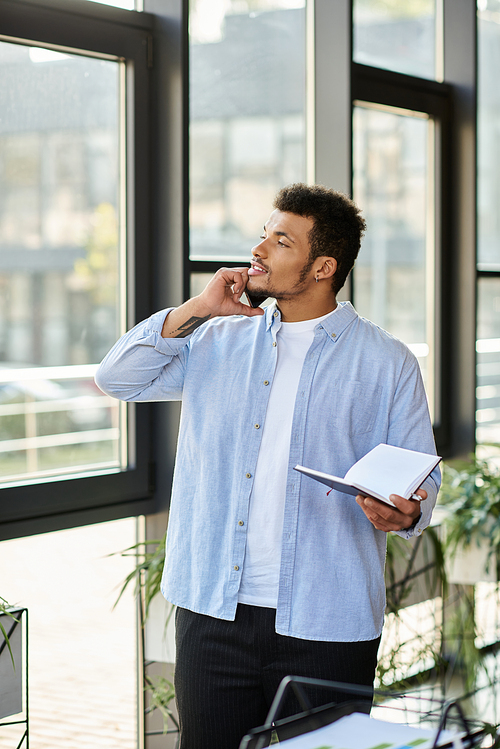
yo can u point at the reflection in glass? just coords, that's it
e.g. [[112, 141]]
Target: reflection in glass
[[395, 35], [59, 260], [488, 363], [393, 277], [488, 153], [247, 118]]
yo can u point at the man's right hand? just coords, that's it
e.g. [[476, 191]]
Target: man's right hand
[[220, 298]]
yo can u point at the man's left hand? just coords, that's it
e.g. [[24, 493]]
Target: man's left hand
[[385, 517]]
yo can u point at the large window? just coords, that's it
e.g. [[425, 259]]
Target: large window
[[62, 261], [74, 254], [488, 231], [488, 366], [488, 149], [247, 120], [400, 173], [247, 138], [393, 178]]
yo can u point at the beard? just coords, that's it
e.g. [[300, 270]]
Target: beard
[[269, 290]]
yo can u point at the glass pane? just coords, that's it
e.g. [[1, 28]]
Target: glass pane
[[82, 651], [198, 281], [488, 364], [396, 35], [60, 261], [393, 276], [247, 118], [488, 140]]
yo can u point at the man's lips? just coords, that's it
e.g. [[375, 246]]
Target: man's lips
[[256, 270]]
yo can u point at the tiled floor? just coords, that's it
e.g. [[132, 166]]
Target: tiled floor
[[82, 653]]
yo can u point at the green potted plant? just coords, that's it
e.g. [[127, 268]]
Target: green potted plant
[[146, 578], [469, 501], [470, 498]]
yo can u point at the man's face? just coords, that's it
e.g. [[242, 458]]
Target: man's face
[[280, 264]]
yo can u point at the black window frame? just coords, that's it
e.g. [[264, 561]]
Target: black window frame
[[392, 89], [82, 26]]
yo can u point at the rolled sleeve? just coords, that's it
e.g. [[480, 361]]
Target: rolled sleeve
[[143, 366], [431, 486]]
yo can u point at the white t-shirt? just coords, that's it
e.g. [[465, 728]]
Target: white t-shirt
[[260, 575]]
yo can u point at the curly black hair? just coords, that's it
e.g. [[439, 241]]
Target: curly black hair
[[338, 224]]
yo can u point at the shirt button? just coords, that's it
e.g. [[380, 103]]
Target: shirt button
[[266, 382], [236, 567], [240, 522], [276, 314], [257, 426], [334, 335], [248, 475], [274, 343]]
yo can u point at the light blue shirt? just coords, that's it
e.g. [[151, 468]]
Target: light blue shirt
[[359, 386]]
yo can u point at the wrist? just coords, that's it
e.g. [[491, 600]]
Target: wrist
[[199, 308], [185, 319]]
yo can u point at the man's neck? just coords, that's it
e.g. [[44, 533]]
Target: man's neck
[[293, 310]]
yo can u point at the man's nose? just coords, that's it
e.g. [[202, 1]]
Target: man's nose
[[259, 250]]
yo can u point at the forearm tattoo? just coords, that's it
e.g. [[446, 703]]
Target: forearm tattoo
[[187, 327]]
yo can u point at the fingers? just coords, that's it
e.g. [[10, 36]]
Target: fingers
[[381, 519], [230, 278], [421, 493], [386, 518], [238, 278], [224, 290], [222, 293]]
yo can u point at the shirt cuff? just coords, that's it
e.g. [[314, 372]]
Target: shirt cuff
[[415, 529], [426, 508]]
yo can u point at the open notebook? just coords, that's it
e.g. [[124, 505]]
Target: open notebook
[[383, 471]]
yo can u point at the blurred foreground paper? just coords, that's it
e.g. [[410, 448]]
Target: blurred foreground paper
[[359, 731]]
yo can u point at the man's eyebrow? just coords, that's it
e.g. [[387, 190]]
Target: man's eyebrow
[[281, 234]]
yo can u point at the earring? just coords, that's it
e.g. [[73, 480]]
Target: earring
[[317, 279]]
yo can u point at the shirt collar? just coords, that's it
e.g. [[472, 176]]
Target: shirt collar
[[334, 324], [270, 316], [337, 322]]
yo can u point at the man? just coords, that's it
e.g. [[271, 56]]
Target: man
[[270, 575]]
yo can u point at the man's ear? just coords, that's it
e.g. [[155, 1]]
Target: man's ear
[[327, 268]]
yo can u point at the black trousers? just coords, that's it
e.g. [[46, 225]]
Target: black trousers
[[227, 673]]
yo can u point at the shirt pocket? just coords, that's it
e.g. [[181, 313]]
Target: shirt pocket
[[357, 407]]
